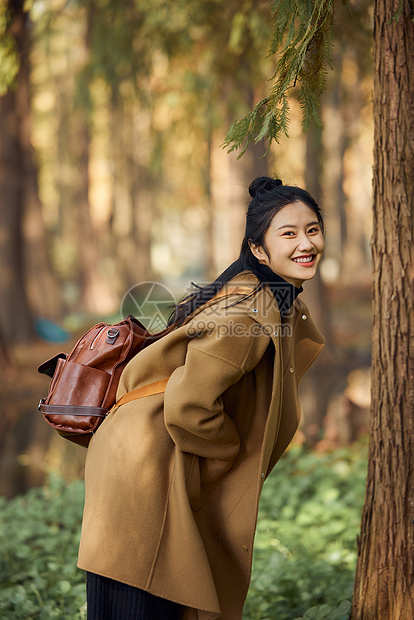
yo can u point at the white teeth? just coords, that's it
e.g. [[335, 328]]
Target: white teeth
[[307, 259]]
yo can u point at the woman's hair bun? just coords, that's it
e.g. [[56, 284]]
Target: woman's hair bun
[[263, 184]]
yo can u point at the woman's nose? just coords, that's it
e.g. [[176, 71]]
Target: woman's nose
[[305, 243]]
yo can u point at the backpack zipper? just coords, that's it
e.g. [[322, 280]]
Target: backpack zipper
[[96, 338]]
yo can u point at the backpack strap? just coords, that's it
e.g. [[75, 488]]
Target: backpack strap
[[159, 386], [145, 390]]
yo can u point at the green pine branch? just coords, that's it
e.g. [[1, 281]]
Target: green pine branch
[[303, 41]]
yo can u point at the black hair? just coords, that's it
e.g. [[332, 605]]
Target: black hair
[[268, 197]]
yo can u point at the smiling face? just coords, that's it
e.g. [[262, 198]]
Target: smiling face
[[293, 244]]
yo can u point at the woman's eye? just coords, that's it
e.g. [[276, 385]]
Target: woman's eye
[[288, 232], [315, 229]]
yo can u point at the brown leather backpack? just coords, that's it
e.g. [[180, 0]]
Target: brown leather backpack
[[84, 383]]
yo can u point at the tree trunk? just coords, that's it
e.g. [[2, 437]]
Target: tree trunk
[[384, 583], [315, 291], [316, 393], [123, 174], [96, 294], [15, 313], [241, 173], [210, 266], [142, 187], [27, 284]]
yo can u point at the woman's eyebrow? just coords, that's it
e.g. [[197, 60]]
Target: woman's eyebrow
[[293, 226]]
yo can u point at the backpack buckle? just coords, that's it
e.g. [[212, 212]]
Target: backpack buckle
[[111, 335]]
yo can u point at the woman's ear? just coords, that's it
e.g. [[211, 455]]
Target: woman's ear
[[259, 253]]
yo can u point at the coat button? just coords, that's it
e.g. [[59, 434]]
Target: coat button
[[304, 317], [290, 369], [263, 475], [255, 310], [245, 548], [275, 334]]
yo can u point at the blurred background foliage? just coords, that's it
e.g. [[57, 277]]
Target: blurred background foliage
[[112, 173]]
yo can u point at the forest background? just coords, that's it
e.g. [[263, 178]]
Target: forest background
[[112, 173]]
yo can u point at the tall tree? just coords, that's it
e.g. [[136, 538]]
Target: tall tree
[[96, 294], [16, 315], [384, 584], [27, 284]]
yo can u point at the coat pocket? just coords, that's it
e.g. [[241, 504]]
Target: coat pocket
[[193, 482], [203, 477], [75, 384]]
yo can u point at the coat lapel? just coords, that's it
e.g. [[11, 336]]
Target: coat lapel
[[304, 345]]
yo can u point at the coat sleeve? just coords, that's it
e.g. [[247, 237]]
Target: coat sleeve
[[217, 357]]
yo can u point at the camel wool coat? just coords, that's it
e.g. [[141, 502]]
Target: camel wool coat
[[173, 480]]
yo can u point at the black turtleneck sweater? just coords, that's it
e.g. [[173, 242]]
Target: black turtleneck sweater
[[284, 292]]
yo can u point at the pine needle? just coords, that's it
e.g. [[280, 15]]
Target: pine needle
[[303, 41]]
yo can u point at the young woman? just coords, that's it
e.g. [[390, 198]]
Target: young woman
[[173, 480]]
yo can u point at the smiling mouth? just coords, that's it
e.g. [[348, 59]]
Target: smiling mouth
[[304, 259]]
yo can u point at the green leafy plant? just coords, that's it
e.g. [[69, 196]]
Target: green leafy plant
[[39, 538], [304, 557], [305, 547]]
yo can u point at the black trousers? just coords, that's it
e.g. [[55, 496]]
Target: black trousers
[[112, 600]]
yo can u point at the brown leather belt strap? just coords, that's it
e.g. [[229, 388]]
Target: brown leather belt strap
[[72, 410], [145, 390], [159, 386]]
